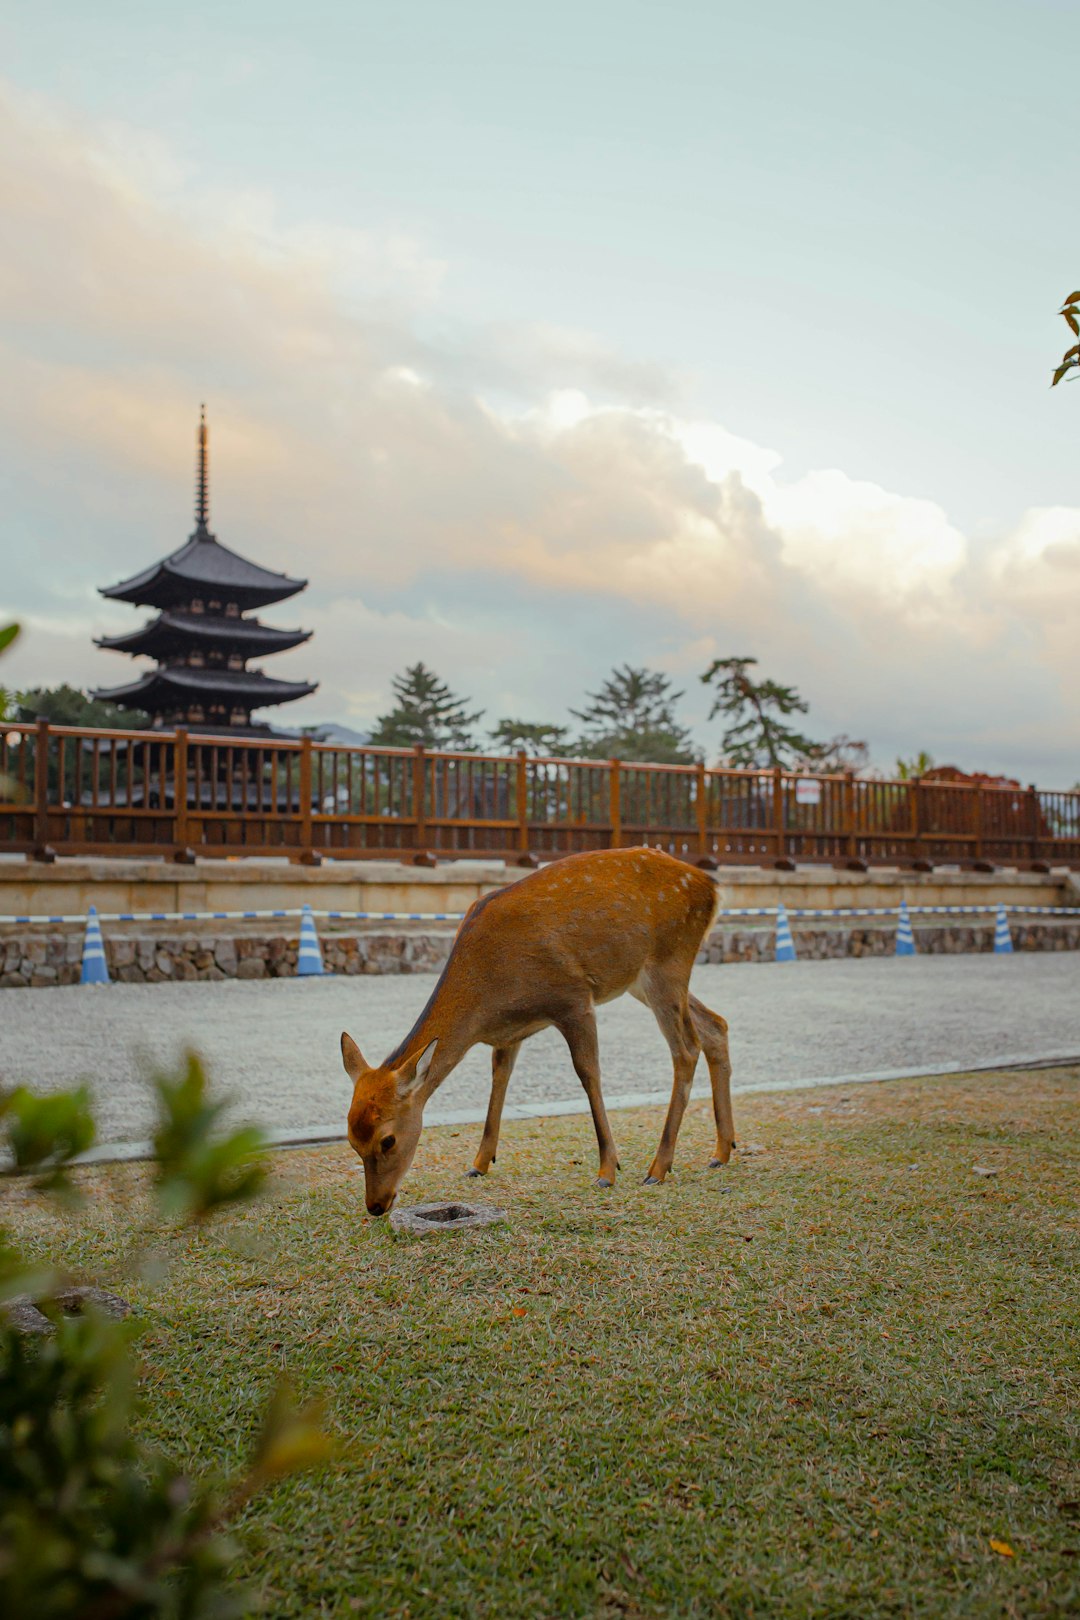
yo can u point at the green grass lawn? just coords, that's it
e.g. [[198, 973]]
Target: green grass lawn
[[820, 1382]]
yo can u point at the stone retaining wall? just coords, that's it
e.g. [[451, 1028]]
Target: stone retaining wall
[[39, 960]]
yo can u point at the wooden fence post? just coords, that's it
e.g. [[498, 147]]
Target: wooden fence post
[[523, 801], [615, 802], [419, 780], [307, 843], [702, 809], [1033, 816], [978, 822], [914, 819], [849, 815], [180, 793], [42, 849], [778, 813]]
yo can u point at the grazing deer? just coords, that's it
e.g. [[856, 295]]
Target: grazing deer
[[545, 951]]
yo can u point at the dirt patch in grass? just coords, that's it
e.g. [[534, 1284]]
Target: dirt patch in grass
[[824, 1381]]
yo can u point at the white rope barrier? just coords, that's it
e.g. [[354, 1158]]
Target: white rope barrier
[[457, 916]]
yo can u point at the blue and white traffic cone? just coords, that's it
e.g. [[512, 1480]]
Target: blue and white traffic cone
[[785, 945], [95, 969], [1002, 938], [309, 957], [905, 939]]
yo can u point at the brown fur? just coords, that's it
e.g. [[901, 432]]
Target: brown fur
[[546, 951]]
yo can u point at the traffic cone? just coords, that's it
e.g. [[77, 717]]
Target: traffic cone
[[95, 969], [785, 945], [309, 957], [1002, 938], [905, 939]]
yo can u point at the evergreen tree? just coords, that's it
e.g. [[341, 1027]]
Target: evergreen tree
[[67, 706], [426, 714], [841, 753], [632, 717], [756, 712], [533, 736]]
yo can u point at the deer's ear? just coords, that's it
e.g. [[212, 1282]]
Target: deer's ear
[[352, 1057], [412, 1074]]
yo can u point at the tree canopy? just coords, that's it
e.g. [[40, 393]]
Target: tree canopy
[[534, 737], [632, 717], [757, 732], [67, 706], [426, 714]]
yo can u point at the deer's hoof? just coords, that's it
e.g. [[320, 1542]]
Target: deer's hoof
[[652, 1181], [715, 1164], [474, 1172], [602, 1181]]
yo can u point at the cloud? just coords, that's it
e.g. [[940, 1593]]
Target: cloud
[[517, 505]]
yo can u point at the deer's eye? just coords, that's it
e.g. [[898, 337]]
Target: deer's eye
[[387, 1143]]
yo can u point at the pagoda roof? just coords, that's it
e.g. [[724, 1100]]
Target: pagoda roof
[[204, 562], [244, 688], [173, 630]]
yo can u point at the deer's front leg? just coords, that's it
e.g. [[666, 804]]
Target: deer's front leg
[[502, 1067], [579, 1032]]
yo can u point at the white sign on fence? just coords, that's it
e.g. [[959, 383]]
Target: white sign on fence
[[807, 790]]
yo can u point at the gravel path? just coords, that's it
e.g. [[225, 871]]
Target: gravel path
[[274, 1046]]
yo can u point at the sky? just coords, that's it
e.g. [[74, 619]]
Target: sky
[[542, 340]]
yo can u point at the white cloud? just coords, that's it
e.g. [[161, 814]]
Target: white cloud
[[517, 506]]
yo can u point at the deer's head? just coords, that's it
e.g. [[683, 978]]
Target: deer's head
[[385, 1118]]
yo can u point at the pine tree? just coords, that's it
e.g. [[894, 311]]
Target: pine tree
[[67, 706], [756, 710], [533, 736], [426, 714], [632, 717]]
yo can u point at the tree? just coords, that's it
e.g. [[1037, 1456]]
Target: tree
[[67, 706], [1070, 360], [756, 711], [908, 769], [840, 753], [533, 736], [426, 714], [8, 632], [632, 717]]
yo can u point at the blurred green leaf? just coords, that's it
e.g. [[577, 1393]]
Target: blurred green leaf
[[292, 1438], [44, 1134], [7, 635], [198, 1171]]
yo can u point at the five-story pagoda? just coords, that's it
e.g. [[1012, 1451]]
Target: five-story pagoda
[[202, 637]]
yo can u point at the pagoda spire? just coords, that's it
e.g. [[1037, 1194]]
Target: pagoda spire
[[202, 485]]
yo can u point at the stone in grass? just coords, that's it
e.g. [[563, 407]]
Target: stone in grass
[[433, 1220], [22, 1313], [984, 1170]]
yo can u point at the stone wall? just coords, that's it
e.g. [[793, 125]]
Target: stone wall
[[38, 960], [70, 886]]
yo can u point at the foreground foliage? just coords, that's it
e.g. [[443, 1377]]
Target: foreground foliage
[[93, 1523], [838, 1379]]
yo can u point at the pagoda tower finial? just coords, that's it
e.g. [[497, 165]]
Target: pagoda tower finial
[[202, 486]]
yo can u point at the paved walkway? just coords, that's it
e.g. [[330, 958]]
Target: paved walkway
[[274, 1046]]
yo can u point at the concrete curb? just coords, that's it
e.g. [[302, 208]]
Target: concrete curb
[[320, 1135]]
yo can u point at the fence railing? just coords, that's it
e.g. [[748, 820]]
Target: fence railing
[[76, 791]]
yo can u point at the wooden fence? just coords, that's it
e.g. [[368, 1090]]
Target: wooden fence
[[72, 791]]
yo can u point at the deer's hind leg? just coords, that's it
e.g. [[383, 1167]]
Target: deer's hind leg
[[503, 1059], [663, 990], [712, 1032]]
